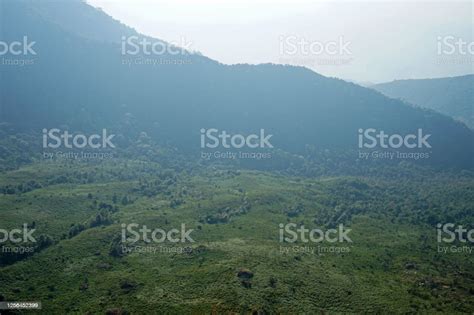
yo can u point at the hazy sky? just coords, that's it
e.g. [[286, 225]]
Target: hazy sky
[[364, 41]]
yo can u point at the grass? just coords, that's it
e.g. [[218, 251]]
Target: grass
[[78, 275]]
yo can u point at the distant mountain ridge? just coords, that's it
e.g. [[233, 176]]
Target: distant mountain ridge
[[81, 80], [452, 96]]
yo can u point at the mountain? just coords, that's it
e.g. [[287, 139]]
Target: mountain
[[450, 96], [81, 79], [314, 229]]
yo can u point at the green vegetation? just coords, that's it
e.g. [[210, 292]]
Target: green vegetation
[[158, 173], [235, 263]]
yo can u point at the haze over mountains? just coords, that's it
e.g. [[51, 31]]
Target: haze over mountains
[[451, 96], [342, 199], [81, 79], [259, 31]]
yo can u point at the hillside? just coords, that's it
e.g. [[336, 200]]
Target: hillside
[[162, 183], [450, 96], [83, 83]]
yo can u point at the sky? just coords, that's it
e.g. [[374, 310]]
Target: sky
[[362, 41]]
